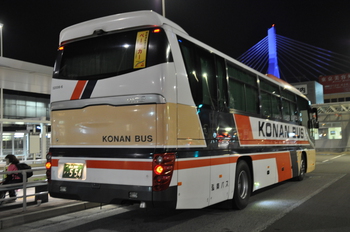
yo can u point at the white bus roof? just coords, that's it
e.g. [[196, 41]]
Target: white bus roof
[[116, 22]]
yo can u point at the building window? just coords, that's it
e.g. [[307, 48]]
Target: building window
[[334, 100], [19, 105], [332, 130]]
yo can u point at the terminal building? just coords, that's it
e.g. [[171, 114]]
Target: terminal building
[[331, 96], [334, 114], [24, 108]]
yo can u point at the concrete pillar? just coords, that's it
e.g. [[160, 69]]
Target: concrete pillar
[[43, 140]]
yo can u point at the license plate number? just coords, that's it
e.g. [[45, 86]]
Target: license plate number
[[73, 170]]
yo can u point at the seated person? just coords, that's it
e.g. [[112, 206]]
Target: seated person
[[11, 162]]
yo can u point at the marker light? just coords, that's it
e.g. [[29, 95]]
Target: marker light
[[156, 30], [48, 165], [61, 48], [158, 169]]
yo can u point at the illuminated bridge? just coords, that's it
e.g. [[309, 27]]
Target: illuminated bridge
[[297, 61]]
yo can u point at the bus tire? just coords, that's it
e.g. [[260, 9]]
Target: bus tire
[[302, 168], [243, 185]]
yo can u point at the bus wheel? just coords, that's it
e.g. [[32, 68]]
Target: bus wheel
[[243, 186], [302, 169]]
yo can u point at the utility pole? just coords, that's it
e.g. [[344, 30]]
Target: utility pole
[[163, 7]]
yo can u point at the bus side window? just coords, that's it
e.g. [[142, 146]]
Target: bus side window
[[270, 100], [286, 110], [200, 67], [222, 84], [188, 55], [243, 90], [266, 104], [252, 99], [237, 95], [207, 72], [294, 112], [276, 109], [303, 112]]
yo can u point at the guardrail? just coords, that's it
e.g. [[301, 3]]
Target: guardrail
[[40, 186]]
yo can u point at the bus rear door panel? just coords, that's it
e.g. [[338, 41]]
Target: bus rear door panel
[[204, 179], [222, 174], [193, 182]]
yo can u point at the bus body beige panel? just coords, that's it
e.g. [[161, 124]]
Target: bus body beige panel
[[150, 125], [105, 125], [190, 132]]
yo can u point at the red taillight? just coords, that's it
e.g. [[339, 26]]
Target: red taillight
[[48, 166], [158, 170], [163, 168]]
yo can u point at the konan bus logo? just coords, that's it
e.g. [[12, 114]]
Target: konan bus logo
[[265, 129], [127, 138]]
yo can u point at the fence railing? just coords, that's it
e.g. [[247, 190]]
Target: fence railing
[[25, 185]]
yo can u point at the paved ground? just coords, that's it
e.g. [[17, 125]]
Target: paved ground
[[12, 214]]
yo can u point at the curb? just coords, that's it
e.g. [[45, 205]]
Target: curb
[[43, 214]]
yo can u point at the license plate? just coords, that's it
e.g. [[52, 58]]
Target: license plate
[[73, 170]]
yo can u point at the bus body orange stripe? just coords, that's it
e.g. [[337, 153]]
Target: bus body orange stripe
[[283, 161], [244, 129], [272, 142], [139, 165], [107, 164], [78, 90], [126, 165], [187, 164], [54, 162]]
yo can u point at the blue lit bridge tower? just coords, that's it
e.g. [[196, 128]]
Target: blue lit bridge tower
[[293, 61], [273, 61]]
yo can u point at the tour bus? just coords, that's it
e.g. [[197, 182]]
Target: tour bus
[[143, 113]]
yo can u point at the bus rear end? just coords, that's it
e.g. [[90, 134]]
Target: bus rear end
[[111, 113]]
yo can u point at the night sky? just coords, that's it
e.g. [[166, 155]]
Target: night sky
[[31, 27]]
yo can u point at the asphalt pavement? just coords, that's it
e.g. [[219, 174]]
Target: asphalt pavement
[[12, 214]]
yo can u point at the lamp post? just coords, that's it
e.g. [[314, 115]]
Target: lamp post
[[1, 25], [163, 7]]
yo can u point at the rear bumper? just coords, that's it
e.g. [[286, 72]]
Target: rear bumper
[[113, 194]]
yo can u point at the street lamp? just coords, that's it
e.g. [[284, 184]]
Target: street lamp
[[1, 25], [163, 7]]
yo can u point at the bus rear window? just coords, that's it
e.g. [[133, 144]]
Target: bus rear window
[[111, 54]]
